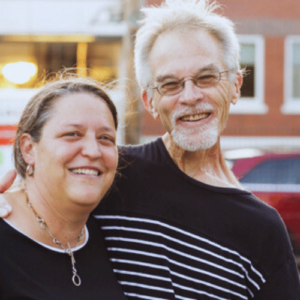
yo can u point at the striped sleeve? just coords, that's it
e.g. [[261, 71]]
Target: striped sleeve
[[156, 260]]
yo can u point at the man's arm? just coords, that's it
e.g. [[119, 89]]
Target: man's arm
[[5, 184]]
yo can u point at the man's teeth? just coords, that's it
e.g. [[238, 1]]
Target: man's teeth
[[85, 171], [194, 117]]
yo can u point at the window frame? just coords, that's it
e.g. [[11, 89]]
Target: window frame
[[254, 105], [290, 105]]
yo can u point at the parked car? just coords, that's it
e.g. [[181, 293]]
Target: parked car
[[275, 179]]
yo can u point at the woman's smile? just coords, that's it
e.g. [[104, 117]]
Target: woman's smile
[[80, 156]]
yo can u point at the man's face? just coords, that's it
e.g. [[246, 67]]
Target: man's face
[[195, 117]]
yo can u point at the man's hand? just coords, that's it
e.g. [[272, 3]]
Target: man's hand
[[5, 184]]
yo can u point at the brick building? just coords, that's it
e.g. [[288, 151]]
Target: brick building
[[267, 115]]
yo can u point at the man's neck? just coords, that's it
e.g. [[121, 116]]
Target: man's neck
[[207, 166]]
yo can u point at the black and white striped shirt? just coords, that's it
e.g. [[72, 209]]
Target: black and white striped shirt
[[169, 236]]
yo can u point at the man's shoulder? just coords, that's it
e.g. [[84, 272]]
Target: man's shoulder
[[149, 152]]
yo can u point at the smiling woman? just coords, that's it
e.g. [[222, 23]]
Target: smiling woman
[[65, 150]]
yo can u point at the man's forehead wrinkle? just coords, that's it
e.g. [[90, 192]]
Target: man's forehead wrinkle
[[210, 67]]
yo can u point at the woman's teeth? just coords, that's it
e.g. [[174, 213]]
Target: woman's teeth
[[194, 117], [85, 171]]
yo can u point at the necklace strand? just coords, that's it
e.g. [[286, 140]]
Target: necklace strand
[[75, 278]]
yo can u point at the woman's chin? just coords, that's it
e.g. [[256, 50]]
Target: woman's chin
[[87, 199]]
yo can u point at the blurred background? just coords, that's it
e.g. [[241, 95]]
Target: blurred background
[[262, 139]]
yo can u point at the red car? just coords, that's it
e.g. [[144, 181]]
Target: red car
[[275, 179]]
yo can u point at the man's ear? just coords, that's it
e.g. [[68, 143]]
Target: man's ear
[[27, 148], [236, 93], [149, 104]]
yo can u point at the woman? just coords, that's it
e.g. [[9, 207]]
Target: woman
[[65, 150]]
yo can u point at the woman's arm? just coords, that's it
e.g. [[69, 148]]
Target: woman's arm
[[5, 183]]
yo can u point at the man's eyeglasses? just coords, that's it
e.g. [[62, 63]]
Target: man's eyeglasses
[[202, 80]]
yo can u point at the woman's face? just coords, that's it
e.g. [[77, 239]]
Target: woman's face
[[76, 158]]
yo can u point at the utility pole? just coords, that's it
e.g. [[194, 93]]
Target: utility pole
[[133, 99]]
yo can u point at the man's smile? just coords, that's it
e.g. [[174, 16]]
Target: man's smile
[[193, 118]]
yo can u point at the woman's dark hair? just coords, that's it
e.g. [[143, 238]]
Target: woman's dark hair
[[40, 108]]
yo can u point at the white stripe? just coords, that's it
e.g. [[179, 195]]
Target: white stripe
[[142, 274], [209, 284], [178, 253], [250, 293], [134, 262], [146, 286], [130, 229], [183, 232], [167, 237], [184, 298], [185, 255], [168, 269], [207, 273], [199, 292], [143, 297], [178, 264]]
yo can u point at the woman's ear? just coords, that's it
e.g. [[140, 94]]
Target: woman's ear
[[149, 104], [27, 148]]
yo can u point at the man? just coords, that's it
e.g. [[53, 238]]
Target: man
[[178, 225]]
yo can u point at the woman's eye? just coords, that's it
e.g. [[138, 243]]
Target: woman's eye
[[72, 134], [107, 139]]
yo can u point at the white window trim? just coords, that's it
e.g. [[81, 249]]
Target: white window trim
[[257, 104], [290, 106]]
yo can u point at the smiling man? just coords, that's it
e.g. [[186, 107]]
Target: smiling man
[[179, 225]]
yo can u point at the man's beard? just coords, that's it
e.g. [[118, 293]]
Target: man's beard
[[194, 139]]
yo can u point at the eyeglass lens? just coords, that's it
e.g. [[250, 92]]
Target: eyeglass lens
[[204, 79]]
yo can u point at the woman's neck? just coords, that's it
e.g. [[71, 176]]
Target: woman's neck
[[62, 224]]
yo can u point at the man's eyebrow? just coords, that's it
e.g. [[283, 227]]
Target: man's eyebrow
[[165, 77], [210, 67]]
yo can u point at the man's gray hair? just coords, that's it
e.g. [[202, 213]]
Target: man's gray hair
[[174, 14]]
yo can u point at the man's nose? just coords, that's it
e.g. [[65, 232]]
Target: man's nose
[[190, 93]]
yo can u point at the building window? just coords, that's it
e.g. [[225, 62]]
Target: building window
[[292, 76], [24, 64], [252, 91]]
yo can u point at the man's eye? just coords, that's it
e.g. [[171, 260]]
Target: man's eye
[[207, 78], [170, 84]]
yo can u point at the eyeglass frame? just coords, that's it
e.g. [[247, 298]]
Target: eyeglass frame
[[182, 83]]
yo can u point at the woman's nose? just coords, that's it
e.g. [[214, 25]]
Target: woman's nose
[[91, 148]]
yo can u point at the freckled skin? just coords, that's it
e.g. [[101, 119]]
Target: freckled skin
[[181, 53]]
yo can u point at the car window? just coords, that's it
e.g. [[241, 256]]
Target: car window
[[275, 171]]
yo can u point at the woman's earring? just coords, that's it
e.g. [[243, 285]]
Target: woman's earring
[[154, 113], [29, 170]]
